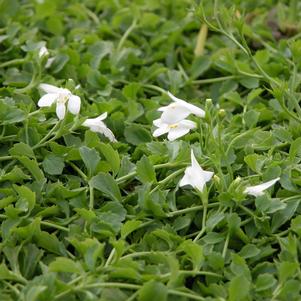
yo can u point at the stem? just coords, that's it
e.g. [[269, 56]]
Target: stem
[[155, 88], [114, 284], [126, 34], [215, 80], [193, 273], [91, 197], [84, 177], [5, 158], [191, 209], [201, 40], [167, 179], [52, 225], [158, 166], [145, 253], [184, 294], [226, 245], [12, 62], [46, 137], [110, 258], [204, 198]]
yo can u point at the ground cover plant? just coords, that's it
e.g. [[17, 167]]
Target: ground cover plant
[[150, 150]]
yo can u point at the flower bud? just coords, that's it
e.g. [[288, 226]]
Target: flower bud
[[216, 179], [221, 113]]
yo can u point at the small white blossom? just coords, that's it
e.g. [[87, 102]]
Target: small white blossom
[[258, 189], [61, 97], [179, 110], [98, 126], [195, 175], [49, 62], [174, 130], [43, 51]]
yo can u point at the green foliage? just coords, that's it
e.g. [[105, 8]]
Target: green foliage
[[85, 218]]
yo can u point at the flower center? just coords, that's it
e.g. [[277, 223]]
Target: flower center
[[63, 98], [173, 126]]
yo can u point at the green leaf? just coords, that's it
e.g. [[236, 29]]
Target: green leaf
[[111, 156], [33, 167], [251, 118], [90, 157], [282, 216], [136, 134], [264, 282], [151, 289], [66, 265], [286, 270], [49, 242], [106, 184], [249, 251], [296, 224], [22, 149], [239, 289], [266, 204], [145, 171], [10, 114], [295, 150], [16, 175], [129, 227], [26, 200], [53, 164], [194, 252]]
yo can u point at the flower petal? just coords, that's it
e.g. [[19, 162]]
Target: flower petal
[[60, 110], [174, 113], [43, 51], [187, 124], [74, 104], [257, 190], [50, 88], [47, 100], [163, 129], [191, 108], [108, 133], [177, 132], [186, 180], [158, 122], [103, 116]]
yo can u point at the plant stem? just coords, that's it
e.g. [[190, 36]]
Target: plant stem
[[204, 197], [12, 62], [226, 245], [214, 80], [83, 176], [91, 197], [126, 34], [110, 258], [45, 138], [191, 209]]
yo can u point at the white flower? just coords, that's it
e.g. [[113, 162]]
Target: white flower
[[174, 130], [43, 51], [179, 110], [96, 125], [61, 96], [49, 62], [195, 175], [258, 189]]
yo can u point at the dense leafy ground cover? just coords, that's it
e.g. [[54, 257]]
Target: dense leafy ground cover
[[85, 218]]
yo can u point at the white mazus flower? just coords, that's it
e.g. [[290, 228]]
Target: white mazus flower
[[174, 130], [195, 175], [258, 189], [43, 51], [61, 97], [98, 126], [179, 110]]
